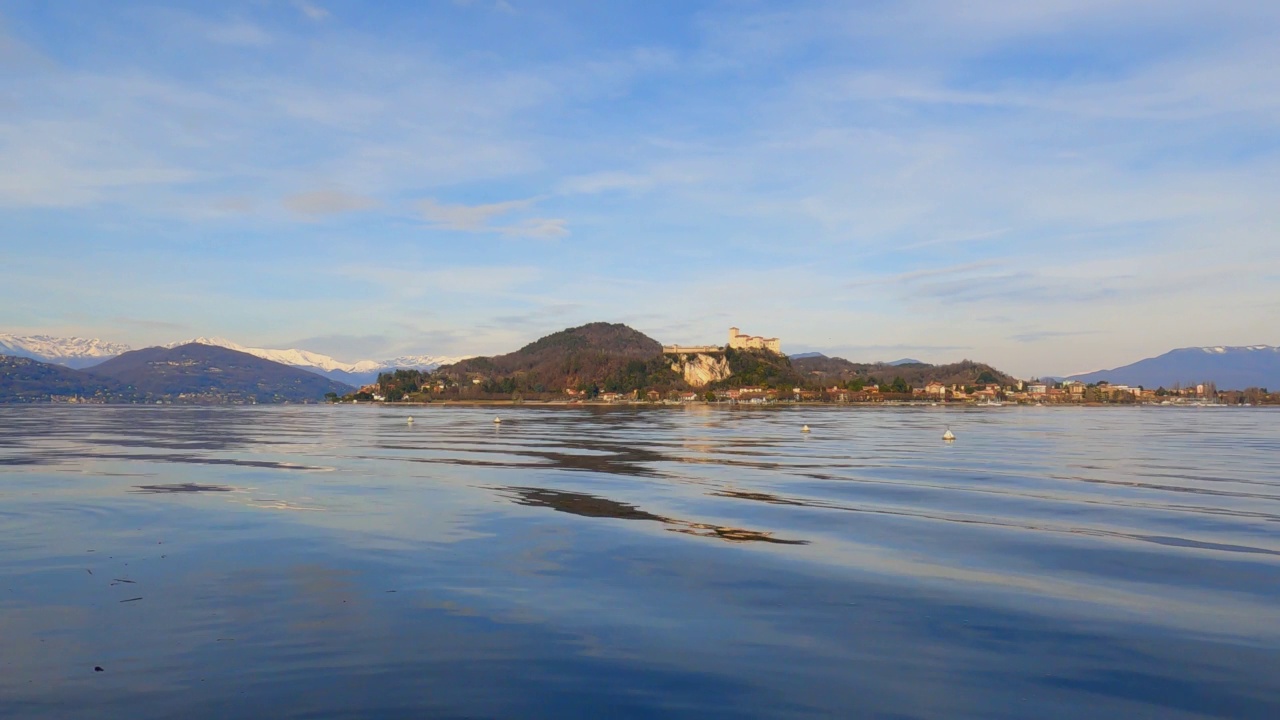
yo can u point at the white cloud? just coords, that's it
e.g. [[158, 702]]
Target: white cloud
[[607, 181], [479, 219], [417, 283], [328, 202], [239, 32], [311, 10]]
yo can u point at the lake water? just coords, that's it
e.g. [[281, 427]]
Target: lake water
[[308, 562]]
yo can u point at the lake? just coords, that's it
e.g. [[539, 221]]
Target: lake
[[702, 562]]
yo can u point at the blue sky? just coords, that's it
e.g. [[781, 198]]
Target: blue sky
[[1050, 187]]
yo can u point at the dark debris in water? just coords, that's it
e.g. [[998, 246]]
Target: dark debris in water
[[597, 507], [734, 534], [180, 488]]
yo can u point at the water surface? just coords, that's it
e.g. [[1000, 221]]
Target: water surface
[[306, 562]]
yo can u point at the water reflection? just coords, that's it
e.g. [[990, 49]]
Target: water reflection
[[593, 506], [180, 488], [1051, 564]]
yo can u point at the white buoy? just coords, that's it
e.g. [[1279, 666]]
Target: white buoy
[[804, 429], [948, 435], [497, 420], [409, 421]]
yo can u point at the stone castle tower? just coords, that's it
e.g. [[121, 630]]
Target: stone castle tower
[[753, 342]]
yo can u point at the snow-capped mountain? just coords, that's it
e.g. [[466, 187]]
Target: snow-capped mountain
[[73, 352], [356, 373], [84, 352], [1230, 368], [299, 358]]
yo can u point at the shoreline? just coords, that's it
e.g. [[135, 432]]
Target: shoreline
[[790, 403]]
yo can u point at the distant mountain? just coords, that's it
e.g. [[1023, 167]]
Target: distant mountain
[[905, 361], [357, 373], [23, 380], [215, 374], [598, 353], [81, 353], [839, 370], [806, 356], [73, 352], [1230, 368]]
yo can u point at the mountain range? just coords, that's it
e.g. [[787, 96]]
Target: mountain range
[[71, 352], [1236, 368], [190, 373], [616, 355], [81, 353]]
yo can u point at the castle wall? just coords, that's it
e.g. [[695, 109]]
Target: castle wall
[[691, 349]]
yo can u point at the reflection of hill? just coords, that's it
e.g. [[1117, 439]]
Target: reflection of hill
[[598, 507], [581, 504]]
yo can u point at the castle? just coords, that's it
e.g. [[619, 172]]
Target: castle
[[753, 342], [737, 341]]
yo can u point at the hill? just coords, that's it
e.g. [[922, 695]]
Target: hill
[[609, 356], [1230, 368], [761, 368], [829, 370], [209, 373], [23, 380]]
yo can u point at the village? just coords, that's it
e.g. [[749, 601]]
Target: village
[[991, 394], [753, 371]]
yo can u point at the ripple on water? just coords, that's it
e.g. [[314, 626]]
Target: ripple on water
[[615, 562]]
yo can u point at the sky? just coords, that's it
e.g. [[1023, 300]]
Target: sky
[[1050, 187]]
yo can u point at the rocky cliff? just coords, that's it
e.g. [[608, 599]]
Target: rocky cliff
[[700, 370]]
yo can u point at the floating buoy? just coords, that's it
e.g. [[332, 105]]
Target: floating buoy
[[497, 420], [948, 435], [409, 421], [804, 429]]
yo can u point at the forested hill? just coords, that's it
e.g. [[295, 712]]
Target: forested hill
[[834, 370], [23, 380], [215, 374], [605, 355]]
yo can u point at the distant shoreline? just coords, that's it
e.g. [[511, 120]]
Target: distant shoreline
[[789, 403], [591, 404]]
